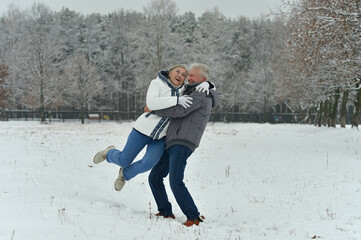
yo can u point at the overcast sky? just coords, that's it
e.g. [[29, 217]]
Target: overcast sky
[[230, 8]]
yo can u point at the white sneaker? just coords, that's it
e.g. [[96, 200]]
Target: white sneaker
[[120, 181], [102, 155]]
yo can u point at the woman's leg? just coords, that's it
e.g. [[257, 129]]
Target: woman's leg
[[135, 143], [151, 157]]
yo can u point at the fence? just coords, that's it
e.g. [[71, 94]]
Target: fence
[[66, 115], [71, 115]]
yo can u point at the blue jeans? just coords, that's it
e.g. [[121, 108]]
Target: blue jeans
[[135, 143], [173, 161]]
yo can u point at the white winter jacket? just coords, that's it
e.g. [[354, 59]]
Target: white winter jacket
[[160, 95]]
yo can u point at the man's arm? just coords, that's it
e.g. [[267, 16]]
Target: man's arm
[[179, 111]]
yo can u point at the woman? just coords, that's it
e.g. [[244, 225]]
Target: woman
[[149, 129]]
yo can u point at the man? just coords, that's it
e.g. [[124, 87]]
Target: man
[[183, 136]]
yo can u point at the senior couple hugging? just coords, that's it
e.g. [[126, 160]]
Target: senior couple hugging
[[172, 125]]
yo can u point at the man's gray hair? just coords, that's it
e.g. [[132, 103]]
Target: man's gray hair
[[203, 69]]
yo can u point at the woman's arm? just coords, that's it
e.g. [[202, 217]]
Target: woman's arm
[[154, 99]]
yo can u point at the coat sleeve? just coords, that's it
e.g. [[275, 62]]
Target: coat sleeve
[[154, 99], [179, 111]]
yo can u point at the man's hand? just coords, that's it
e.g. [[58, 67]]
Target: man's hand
[[185, 101], [203, 87], [146, 109]]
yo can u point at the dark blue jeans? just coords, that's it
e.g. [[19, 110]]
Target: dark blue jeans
[[135, 143], [173, 161]]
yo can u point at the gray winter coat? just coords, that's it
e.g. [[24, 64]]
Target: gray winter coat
[[188, 124]]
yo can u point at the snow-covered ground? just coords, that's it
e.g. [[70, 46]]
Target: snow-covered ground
[[250, 181]]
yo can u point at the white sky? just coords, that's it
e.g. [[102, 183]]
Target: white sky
[[230, 8]]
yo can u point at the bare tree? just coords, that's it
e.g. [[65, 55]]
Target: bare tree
[[43, 88], [84, 84], [159, 14]]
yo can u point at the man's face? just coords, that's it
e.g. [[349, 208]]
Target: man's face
[[177, 76], [194, 76]]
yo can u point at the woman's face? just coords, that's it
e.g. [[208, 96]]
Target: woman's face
[[177, 76]]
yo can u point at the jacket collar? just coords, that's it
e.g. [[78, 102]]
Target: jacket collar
[[191, 85], [164, 76]]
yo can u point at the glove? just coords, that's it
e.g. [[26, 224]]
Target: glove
[[203, 87], [185, 101]]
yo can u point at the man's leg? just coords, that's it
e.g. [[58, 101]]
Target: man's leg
[[135, 143], [155, 179], [178, 156], [151, 157]]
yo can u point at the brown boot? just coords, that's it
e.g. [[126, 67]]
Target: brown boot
[[196, 221]]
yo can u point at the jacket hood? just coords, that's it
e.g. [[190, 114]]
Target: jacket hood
[[215, 98], [164, 76], [212, 93]]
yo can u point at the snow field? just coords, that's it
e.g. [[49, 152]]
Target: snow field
[[250, 181]]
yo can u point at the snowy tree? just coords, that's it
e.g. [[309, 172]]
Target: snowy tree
[[294, 87], [212, 46], [325, 46], [43, 88], [159, 15], [154, 45], [305, 60], [261, 74], [120, 60], [338, 22], [12, 43], [184, 27], [246, 52], [237, 53], [4, 94], [69, 34], [83, 84]]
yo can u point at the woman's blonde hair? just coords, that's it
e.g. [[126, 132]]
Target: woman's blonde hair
[[178, 66]]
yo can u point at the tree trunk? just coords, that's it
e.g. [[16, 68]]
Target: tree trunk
[[42, 113], [333, 114], [357, 103], [325, 113], [304, 115], [318, 120], [344, 108], [128, 106], [82, 114], [308, 119], [265, 112], [42, 99]]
